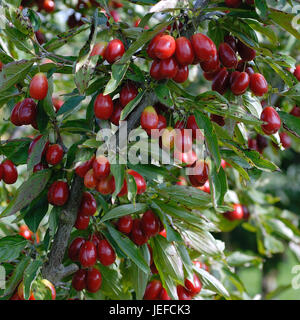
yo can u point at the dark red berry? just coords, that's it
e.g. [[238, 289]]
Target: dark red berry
[[125, 224], [82, 221], [182, 293], [38, 88], [271, 119], [153, 290], [87, 254], [101, 167], [114, 51], [236, 214], [93, 280], [74, 248], [88, 205], [168, 68], [58, 193], [27, 111], [150, 224], [285, 140], [106, 254], [221, 81], [193, 287], [128, 93], [137, 235], [227, 56], [165, 47], [79, 280], [54, 154], [182, 74], [9, 172], [246, 53], [184, 53], [103, 107], [204, 47], [240, 83]]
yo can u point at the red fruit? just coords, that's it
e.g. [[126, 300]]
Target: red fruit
[[162, 124], [84, 167], [155, 70], [153, 290], [137, 235], [211, 75], [57, 103], [33, 143], [87, 254], [168, 68], [106, 254], [236, 214], [258, 84], [82, 221], [89, 179], [165, 47], [49, 6], [246, 214], [79, 280], [38, 88], [115, 117], [182, 74], [205, 187], [211, 65], [103, 107], [1, 66], [25, 232], [240, 83], [182, 293], [272, 119], [252, 144], [115, 15], [88, 204], [149, 118], [179, 125], [101, 167], [99, 49], [106, 185], [184, 53], [125, 224], [200, 173], [124, 189], [183, 140], [164, 295], [233, 3], [74, 248], [193, 287], [139, 180], [192, 124], [40, 37], [163, 233], [27, 111], [54, 154], [297, 72], [114, 51], [58, 193], [285, 140], [204, 47], [218, 119], [93, 280], [128, 93], [151, 46], [10, 173], [188, 158], [231, 41], [150, 224], [227, 56], [14, 117], [221, 81], [246, 53], [295, 111], [262, 143]]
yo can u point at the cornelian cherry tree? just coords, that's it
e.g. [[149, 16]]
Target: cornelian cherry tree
[[76, 224]]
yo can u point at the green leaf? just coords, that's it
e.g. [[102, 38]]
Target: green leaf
[[261, 8], [11, 247], [131, 105], [239, 259], [218, 185], [124, 210], [118, 171], [36, 153], [118, 72], [290, 121], [30, 274], [16, 151], [127, 246], [20, 40], [163, 94], [70, 104], [27, 192]]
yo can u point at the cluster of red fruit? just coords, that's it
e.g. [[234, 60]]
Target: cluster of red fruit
[[8, 172], [86, 252], [25, 112], [140, 230], [237, 3], [239, 212], [87, 208], [47, 5]]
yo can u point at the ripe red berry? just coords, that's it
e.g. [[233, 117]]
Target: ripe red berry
[[233, 3], [184, 53], [231, 41], [227, 56], [38, 88], [182, 293], [164, 295], [295, 111], [162, 124], [182, 74], [114, 51], [204, 47], [205, 187], [74, 248], [272, 119], [211, 75], [211, 65], [297, 72], [128, 93], [151, 46], [153, 290], [101, 167], [57, 103], [27, 111], [115, 117], [200, 173], [103, 106], [124, 190], [285, 140], [137, 235], [49, 6], [33, 143], [10, 173], [236, 214], [252, 144], [139, 180], [40, 37], [221, 81], [149, 118], [155, 70], [150, 224], [25, 232], [54, 154], [58, 193], [168, 68], [106, 254], [79, 280], [89, 180], [240, 83], [193, 287], [82, 221], [99, 49], [106, 185], [125, 224], [82, 168], [262, 143], [165, 47], [258, 84], [88, 205], [93, 280], [192, 124], [14, 117], [246, 53], [87, 254]]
